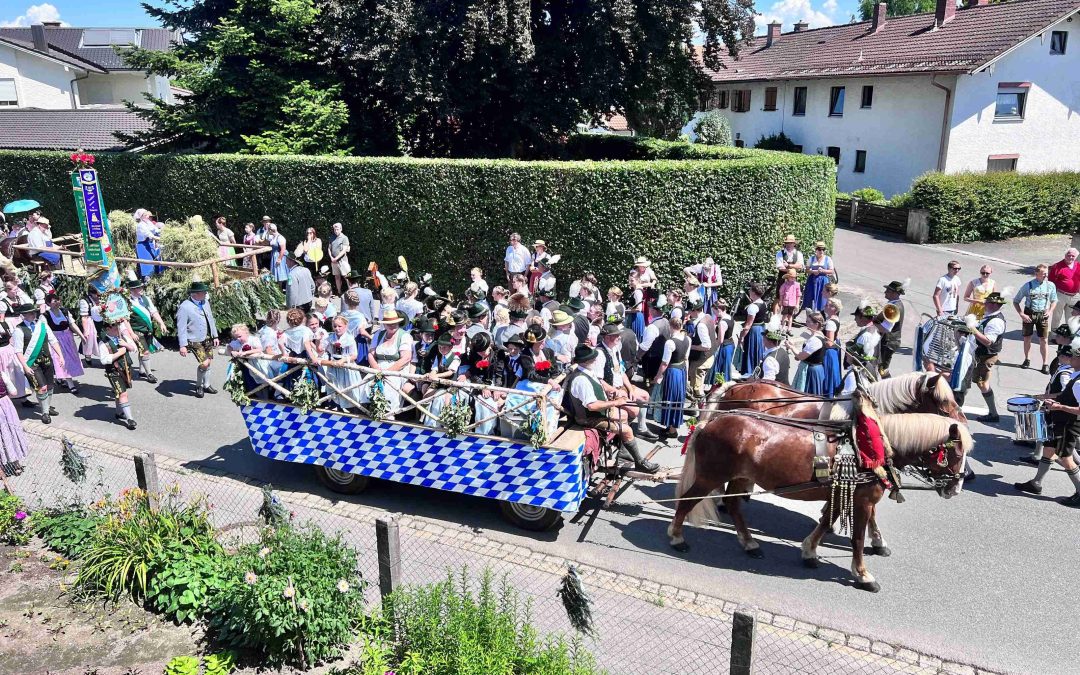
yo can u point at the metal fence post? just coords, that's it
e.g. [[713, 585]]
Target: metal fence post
[[389, 546], [147, 477], [743, 626], [853, 214]]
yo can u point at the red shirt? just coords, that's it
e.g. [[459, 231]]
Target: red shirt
[[1066, 280]]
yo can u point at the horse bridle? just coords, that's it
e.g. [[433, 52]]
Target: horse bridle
[[939, 456]]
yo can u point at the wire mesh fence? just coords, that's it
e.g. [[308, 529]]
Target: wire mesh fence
[[640, 626]]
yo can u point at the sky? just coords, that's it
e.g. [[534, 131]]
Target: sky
[[129, 13]]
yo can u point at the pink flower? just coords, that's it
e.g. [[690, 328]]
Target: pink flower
[[20, 515]]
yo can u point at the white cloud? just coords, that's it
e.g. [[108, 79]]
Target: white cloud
[[34, 14], [788, 12]]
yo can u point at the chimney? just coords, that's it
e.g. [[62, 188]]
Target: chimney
[[774, 33], [37, 32], [946, 10], [801, 26], [880, 11]]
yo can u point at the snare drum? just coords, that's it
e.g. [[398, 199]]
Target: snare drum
[[1032, 423]]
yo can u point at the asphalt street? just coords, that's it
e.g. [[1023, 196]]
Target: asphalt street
[[978, 578]]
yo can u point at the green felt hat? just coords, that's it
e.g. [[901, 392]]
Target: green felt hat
[[198, 287]]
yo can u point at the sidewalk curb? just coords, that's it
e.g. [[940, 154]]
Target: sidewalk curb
[[872, 650]]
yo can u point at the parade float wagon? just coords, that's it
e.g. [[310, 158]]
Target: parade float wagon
[[534, 469]]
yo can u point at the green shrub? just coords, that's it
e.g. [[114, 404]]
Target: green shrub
[[13, 520], [447, 216], [869, 194], [182, 583], [713, 129], [843, 195], [780, 141], [132, 539], [294, 598], [609, 147], [901, 201], [68, 531], [982, 206], [450, 629]]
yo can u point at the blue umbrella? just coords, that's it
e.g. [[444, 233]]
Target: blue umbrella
[[21, 206]]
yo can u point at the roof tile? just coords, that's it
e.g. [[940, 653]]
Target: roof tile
[[87, 129]]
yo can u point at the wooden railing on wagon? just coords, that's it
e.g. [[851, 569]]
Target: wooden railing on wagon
[[72, 251], [396, 380]]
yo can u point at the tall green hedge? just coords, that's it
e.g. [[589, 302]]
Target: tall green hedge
[[446, 216], [981, 206]]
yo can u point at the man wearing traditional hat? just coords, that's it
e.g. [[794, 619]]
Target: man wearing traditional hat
[[1065, 415], [196, 331], [776, 362], [863, 349], [591, 407], [616, 378], [577, 308], [143, 316], [115, 346], [544, 286], [301, 287], [981, 351], [479, 318], [893, 329], [36, 346], [702, 332], [563, 341]]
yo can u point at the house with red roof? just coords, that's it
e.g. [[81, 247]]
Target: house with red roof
[[65, 88], [983, 87]]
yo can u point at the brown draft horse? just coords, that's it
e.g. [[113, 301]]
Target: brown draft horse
[[914, 392], [749, 449]]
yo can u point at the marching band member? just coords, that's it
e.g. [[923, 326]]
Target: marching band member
[[196, 331], [36, 347], [114, 351], [143, 317], [1065, 414], [1058, 383], [979, 354], [891, 343]]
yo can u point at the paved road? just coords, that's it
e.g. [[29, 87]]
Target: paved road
[[970, 579]]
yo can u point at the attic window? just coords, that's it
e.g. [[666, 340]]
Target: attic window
[[109, 37]]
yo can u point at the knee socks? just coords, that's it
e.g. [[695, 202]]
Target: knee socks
[[988, 396], [125, 411], [144, 365], [1074, 476], [1045, 465], [200, 376]]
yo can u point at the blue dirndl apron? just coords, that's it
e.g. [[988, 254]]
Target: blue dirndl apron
[[753, 349], [673, 395], [834, 377], [815, 380], [147, 249], [725, 358]]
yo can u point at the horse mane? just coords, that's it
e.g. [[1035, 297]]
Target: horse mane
[[898, 393], [713, 398], [914, 433]]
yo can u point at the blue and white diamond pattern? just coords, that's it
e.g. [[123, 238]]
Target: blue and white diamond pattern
[[485, 467]]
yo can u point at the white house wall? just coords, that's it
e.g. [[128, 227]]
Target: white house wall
[[1048, 137], [115, 88], [41, 83], [900, 132]]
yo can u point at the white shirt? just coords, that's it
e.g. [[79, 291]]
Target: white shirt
[[781, 262], [563, 344], [145, 229], [812, 344], [296, 337], [995, 326], [598, 365], [517, 259], [950, 292], [651, 333], [702, 333], [36, 239], [868, 340], [700, 267], [582, 387], [770, 367], [833, 326], [410, 307], [480, 287], [546, 283]]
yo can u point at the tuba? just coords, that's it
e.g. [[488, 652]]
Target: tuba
[[891, 312]]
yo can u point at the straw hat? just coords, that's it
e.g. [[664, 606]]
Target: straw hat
[[790, 239], [561, 318], [391, 316], [539, 242], [642, 261]]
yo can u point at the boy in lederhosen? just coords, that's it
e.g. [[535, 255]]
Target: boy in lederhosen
[[115, 348], [143, 317], [36, 346]]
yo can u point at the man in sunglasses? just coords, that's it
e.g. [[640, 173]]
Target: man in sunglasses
[[947, 290]]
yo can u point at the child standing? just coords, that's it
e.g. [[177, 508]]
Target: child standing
[[790, 295]]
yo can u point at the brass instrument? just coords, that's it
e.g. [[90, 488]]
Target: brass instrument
[[891, 312]]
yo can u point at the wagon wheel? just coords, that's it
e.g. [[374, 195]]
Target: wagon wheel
[[528, 517], [341, 482]]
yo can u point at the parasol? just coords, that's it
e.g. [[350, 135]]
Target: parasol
[[21, 206]]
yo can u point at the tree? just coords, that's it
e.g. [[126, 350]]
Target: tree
[[780, 141], [713, 129], [896, 7], [254, 76]]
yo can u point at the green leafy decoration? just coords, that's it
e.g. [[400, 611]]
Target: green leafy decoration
[[456, 416], [533, 426], [235, 385], [304, 394], [273, 512], [577, 602], [72, 463], [378, 405]]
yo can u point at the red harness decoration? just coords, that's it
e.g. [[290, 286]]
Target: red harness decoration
[[686, 442], [868, 441]]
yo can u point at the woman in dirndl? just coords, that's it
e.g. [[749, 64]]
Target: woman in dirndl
[[92, 326], [635, 308], [278, 269], [819, 270], [147, 246], [811, 375], [10, 367], [647, 282], [725, 352], [752, 337], [672, 378], [225, 238], [60, 323], [391, 353], [13, 445], [298, 342], [834, 376], [340, 348]]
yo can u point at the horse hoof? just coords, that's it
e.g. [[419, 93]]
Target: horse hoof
[[883, 551], [681, 547], [755, 553], [871, 586], [812, 563]]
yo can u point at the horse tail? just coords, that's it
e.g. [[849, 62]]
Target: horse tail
[[704, 510]]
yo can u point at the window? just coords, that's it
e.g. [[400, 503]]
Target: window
[[770, 98], [722, 101], [740, 100], [798, 149], [860, 161], [8, 95], [799, 108], [1010, 104], [834, 152], [867, 96], [107, 37], [1058, 40], [836, 102], [1000, 163], [740, 143]]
